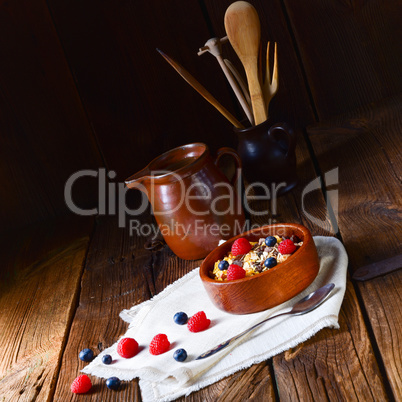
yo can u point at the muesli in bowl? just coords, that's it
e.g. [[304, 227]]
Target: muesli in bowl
[[245, 293], [255, 257]]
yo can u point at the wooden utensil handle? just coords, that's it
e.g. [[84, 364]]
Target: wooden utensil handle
[[257, 98], [200, 89]]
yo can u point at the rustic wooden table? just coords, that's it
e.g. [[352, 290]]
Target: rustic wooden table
[[64, 283]]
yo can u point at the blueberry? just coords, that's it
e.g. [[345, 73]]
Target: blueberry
[[270, 241], [86, 355], [180, 355], [113, 383], [180, 318], [223, 265], [270, 262], [106, 359]]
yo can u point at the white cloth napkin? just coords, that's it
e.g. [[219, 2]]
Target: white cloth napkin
[[164, 379]]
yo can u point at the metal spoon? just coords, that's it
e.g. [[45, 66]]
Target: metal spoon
[[303, 306]]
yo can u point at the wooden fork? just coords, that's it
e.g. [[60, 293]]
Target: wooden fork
[[270, 86]]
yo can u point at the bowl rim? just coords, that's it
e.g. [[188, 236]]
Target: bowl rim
[[307, 237]]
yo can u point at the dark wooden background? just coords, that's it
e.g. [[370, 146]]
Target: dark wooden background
[[82, 86]]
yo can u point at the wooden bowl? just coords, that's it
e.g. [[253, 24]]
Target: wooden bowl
[[267, 289]]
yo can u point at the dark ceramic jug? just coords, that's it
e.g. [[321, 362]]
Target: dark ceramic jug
[[267, 152], [194, 203]]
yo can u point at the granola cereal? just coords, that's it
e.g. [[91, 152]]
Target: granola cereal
[[255, 261]]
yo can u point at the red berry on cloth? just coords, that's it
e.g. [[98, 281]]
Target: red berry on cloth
[[241, 246], [81, 384], [127, 347], [235, 272], [198, 322], [159, 344], [286, 247]]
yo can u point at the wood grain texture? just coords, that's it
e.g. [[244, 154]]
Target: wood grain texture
[[41, 269], [254, 383], [44, 133], [335, 364], [291, 103], [138, 105], [350, 50], [382, 300], [115, 278], [364, 144]]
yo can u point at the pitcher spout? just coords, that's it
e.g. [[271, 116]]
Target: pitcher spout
[[138, 180]]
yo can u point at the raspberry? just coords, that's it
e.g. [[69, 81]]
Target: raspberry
[[198, 322], [159, 344], [241, 246], [81, 384], [286, 247], [127, 347], [235, 272]]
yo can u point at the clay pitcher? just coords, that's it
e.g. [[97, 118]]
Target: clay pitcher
[[267, 152], [193, 202]]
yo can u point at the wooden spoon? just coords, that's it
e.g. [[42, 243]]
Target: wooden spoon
[[243, 29], [200, 89]]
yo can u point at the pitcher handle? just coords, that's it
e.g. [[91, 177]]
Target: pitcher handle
[[230, 151], [289, 135]]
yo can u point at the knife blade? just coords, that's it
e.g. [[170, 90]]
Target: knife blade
[[378, 268]]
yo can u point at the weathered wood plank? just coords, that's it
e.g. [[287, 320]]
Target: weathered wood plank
[[334, 364], [254, 383], [115, 278], [40, 273], [44, 133], [382, 300], [364, 145], [350, 50]]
